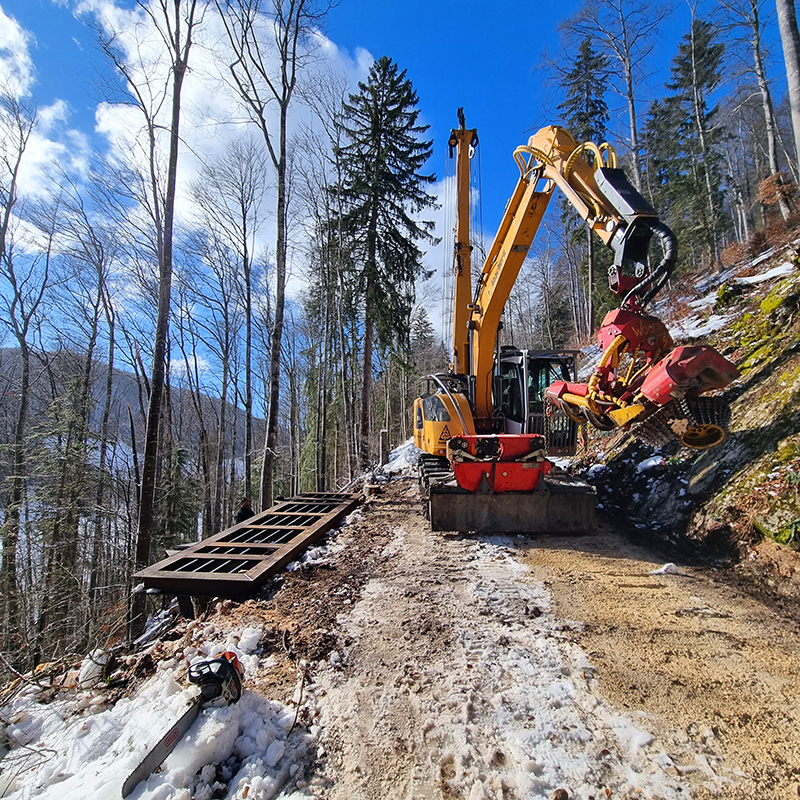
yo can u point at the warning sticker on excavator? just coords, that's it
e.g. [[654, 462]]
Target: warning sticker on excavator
[[445, 436]]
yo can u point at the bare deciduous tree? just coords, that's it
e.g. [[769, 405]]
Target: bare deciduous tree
[[626, 32], [259, 33], [230, 196], [174, 23], [748, 14], [25, 288]]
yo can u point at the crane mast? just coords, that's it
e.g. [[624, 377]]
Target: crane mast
[[462, 143]]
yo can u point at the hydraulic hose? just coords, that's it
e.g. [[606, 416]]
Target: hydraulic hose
[[660, 275]]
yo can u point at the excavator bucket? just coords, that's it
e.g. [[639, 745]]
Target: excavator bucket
[[558, 506]]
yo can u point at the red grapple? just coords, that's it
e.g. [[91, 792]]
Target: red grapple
[[644, 332]]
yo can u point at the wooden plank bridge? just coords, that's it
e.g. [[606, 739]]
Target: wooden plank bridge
[[236, 562]]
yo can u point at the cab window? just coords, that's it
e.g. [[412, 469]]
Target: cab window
[[434, 409], [511, 401]]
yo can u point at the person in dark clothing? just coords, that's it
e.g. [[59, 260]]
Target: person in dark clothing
[[245, 511]]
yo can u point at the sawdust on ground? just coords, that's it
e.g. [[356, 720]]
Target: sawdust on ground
[[702, 659]]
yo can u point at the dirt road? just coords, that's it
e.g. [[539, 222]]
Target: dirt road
[[448, 666], [708, 668]]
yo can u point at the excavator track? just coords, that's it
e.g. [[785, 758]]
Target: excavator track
[[433, 470]]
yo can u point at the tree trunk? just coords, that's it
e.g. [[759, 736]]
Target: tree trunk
[[248, 381], [766, 102], [11, 530], [631, 102], [219, 483], [590, 292], [147, 521], [97, 538], [699, 105], [271, 439], [322, 402], [347, 422], [790, 40], [366, 389]]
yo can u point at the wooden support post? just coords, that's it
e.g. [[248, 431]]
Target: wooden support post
[[384, 455]]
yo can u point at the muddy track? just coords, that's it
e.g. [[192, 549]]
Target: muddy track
[[448, 666]]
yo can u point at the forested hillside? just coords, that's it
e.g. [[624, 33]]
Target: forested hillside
[[253, 241]]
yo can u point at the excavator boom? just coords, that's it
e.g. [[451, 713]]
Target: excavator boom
[[480, 424]]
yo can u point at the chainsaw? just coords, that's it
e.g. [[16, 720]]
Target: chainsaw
[[219, 678]]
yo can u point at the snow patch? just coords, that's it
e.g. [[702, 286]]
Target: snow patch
[[649, 463], [403, 459], [781, 271], [71, 753], [694, 328], [704, 302], [668, 569], [248, 641], [505, 707], [92, 668], [595, 469]]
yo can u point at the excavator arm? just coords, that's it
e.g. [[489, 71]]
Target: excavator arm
[[588, 177], [498, 456]]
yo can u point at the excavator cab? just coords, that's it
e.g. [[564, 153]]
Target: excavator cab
[[441, 412], [521, 377]]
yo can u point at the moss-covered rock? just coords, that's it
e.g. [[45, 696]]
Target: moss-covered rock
[[778, 527], [727, 295]]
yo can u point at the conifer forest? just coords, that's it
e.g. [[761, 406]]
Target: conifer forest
[[186, 325]]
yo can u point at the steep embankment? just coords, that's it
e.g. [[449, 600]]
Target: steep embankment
[[739, 501]]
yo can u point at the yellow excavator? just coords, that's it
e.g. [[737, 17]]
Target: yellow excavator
[[487, 426]]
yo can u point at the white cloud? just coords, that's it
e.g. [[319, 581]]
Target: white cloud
[[50, 116], [52, 145], [16, 66], [197, 363], [51, 142], [212, 114]]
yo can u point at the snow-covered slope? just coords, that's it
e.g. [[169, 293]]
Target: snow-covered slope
[[77, 747]]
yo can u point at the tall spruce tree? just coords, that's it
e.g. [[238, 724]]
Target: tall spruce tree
[[585, 109], [383, 189], [586, 114], [696, 193], [662, 158]]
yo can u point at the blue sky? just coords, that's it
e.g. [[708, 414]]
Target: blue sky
[[456, 54], [472, 54], [483, 56]]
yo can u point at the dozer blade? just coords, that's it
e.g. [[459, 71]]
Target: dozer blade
[[560, 507]]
